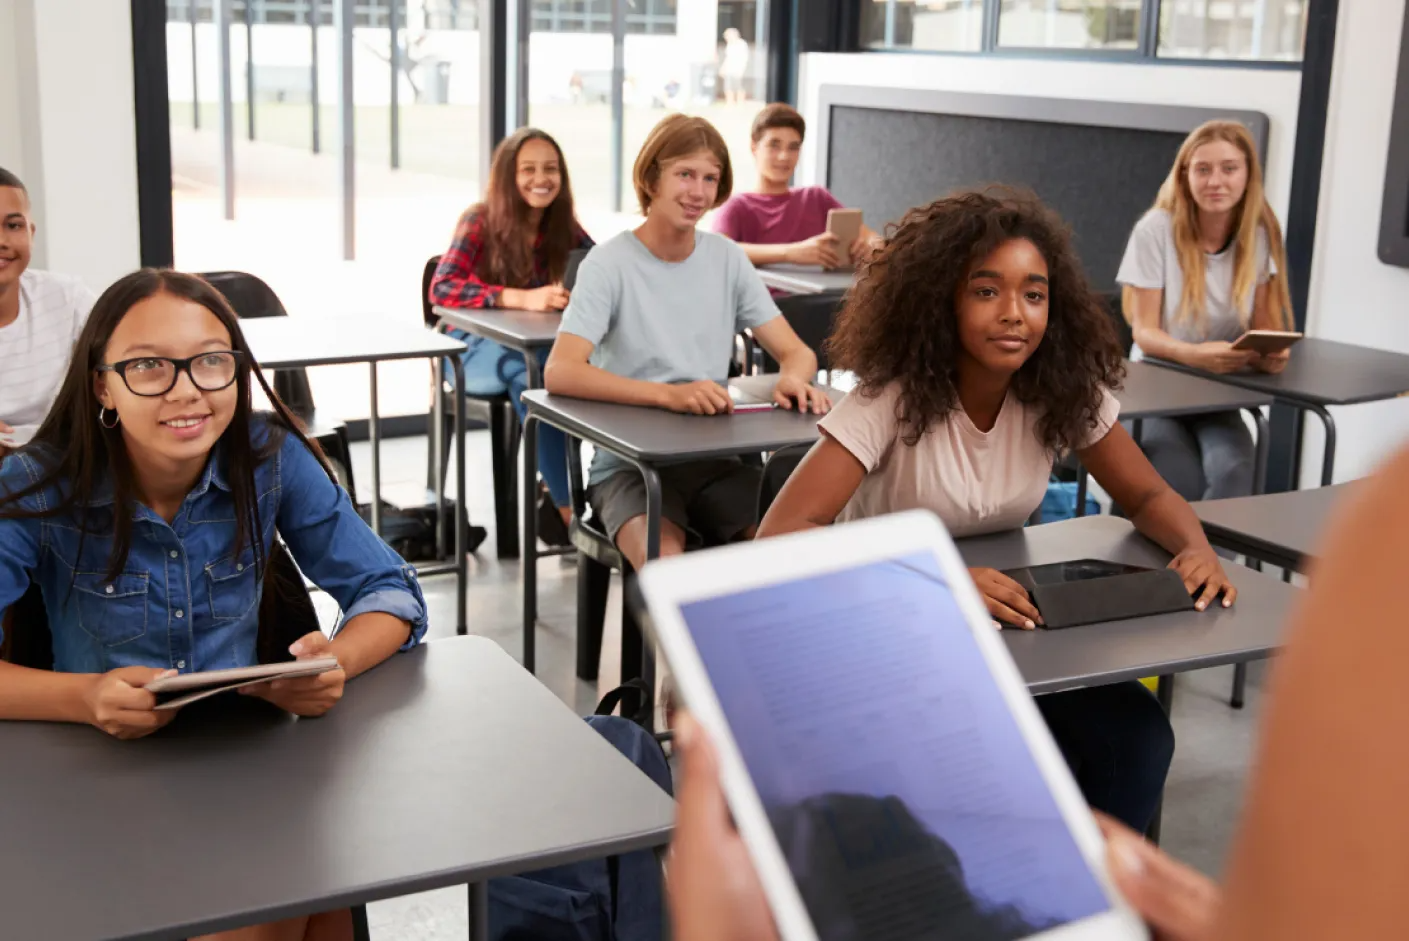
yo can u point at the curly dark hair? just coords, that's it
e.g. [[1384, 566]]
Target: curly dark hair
[[900, 322]]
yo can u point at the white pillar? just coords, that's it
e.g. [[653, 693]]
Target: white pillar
[[67, 128]]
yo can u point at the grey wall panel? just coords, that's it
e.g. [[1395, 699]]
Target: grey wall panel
[[1097, 164]]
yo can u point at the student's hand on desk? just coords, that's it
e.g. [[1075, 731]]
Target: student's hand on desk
[[548, 298], [1177, 902], [715, 894], [821, 250], [698, 398], [1007, 600], [117, 703], [304, 695], [1221, 358], [791, 391], [1272, 363], [1204, 577]]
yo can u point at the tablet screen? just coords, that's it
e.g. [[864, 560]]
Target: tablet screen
[[899, 785]]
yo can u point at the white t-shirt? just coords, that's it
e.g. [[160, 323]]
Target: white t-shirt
[[976, 482], [1151, 261], [35, 349]]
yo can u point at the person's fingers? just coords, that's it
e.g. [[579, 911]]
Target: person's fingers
[[821, 402], [703, 813], [781, 398], [1185, 570], [720, 396], [706, 406], [5, 429], [1230, 592], [1207, 592], [1005, 590], [310, 645], [1180, 903], [1007, 615]]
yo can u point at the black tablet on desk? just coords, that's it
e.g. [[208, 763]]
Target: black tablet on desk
[[1088, 591]]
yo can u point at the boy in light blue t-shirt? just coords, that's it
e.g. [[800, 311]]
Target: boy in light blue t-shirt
[[652, 322]]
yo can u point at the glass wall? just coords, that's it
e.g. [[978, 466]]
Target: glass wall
[[1070, 24], [1236, 29], [416, 164], [1260, 30], [941, 25]]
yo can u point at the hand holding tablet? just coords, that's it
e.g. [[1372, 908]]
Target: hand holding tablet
[[173, 692]]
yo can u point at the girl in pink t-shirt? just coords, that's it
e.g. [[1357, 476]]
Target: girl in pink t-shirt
[[980, 355]]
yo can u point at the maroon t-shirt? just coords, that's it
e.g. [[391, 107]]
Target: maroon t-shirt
[[776, 219]]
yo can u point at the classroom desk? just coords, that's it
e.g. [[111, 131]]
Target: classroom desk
[[527, 331], [444, 766], [1160, 645], [1151, 392], [644, 438], [1281, 529], [1323, 373], [807, 279], [288, 343]]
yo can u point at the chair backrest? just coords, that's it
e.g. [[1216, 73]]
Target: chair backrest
[[574, 262], [286, 613], [427, 276], [812, 317], [1123, 331], [251, 298], [776, 472]]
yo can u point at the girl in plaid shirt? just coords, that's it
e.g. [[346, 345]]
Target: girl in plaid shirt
[[511, 251]]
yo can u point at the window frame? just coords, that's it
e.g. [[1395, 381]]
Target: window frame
[[1146, 51]]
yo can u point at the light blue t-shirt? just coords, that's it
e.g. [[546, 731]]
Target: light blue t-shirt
[[661, 321]]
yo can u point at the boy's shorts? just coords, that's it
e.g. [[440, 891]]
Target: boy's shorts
[[713, 501]]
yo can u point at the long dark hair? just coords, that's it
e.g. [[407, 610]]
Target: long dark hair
[[77, 454], [901, 323], [508, 255]]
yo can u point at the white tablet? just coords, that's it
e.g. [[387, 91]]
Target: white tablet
[[883, 760]]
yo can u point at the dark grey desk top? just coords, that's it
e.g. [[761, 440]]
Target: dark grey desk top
[[1273, 527], [1124, 650], [806, 279], [654, 435], [1324, 372], [521, 330], [441, 767], [287, 342], [1153, 392]]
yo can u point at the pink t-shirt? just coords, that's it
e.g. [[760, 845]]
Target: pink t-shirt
[[975, 482], [776, 219]]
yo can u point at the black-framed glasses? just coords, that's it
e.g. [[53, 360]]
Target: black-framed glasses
[[157, 375]]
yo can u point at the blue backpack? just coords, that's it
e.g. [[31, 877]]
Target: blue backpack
[[613, 899], [1060, 502]]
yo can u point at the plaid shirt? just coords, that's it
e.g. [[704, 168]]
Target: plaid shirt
[[457, 282]]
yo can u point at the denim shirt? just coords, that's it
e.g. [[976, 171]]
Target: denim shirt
[[184, 600]]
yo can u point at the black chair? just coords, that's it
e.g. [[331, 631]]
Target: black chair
[[251, 298], [495, 411], [597, 556], [776, 471], [812, 317]]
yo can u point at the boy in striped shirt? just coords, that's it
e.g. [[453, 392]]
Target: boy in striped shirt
[[41, 314]]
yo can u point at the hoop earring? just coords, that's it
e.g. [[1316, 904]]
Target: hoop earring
[[102, 413]]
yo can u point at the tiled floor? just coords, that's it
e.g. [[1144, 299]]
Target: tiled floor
[[1205, 785]]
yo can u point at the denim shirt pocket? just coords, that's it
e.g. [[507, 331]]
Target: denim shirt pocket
[[111, 611], [233, 588]]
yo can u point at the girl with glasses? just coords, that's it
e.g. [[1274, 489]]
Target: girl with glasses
[[145, 510]]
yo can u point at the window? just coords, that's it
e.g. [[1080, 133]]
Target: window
[[1070, 24], [941, 25], [1232, 29], [647, 17], [435, 14]]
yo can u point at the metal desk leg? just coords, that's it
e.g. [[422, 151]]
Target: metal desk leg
[[653, 521], [1259, 480], [1165, 693], [462, 565], [1328, 459], [1081, 479], [527, 506], [535, 372], [374, 435], [479, 911], [437, 447], [1237, 698]]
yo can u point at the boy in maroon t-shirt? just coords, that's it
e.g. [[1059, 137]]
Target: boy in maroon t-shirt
[[777, 224]]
